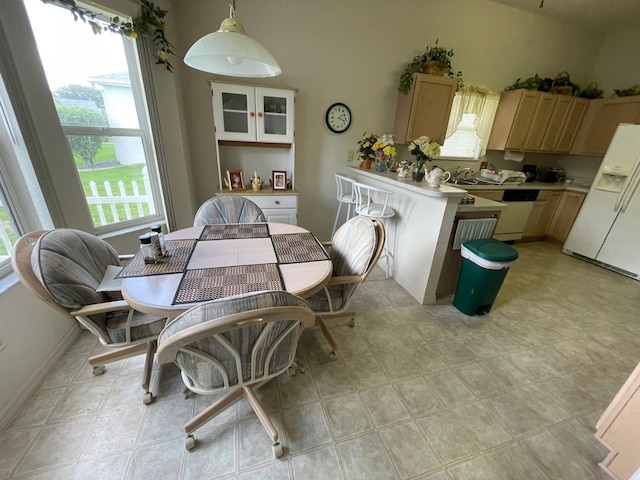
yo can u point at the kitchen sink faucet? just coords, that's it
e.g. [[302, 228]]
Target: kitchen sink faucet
[[456, 173]]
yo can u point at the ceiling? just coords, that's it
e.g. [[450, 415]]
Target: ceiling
[[595, 15]]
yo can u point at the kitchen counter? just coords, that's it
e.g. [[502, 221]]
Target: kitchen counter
[[571, 187]]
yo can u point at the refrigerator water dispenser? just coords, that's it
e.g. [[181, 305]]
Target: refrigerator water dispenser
[[611, 182]]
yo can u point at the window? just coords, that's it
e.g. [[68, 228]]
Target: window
[[96, 87], [470, 123]]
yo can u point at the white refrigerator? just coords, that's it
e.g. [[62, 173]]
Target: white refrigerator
[[607, 228]]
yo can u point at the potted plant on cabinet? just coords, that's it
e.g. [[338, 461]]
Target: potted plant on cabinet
[[434, 61]]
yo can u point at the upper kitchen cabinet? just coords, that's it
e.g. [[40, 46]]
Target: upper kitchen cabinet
[[569, 128], [513, 119], [246, 113], [541, 119], [600, 122], [425, 109]]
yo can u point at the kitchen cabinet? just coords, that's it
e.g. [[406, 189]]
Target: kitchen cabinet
[[425, 109], [541, 214], [540, 121], [600, 122], [254, 132], [564, 215], [618, 429], [571, 126], [513, 119], [253, 114], [276, 207]]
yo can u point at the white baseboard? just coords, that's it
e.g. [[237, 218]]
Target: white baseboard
[[8, 412]]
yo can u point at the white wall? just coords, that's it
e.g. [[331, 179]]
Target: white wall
[[354, 52]]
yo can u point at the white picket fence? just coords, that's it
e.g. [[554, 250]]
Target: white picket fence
[[110, 200]]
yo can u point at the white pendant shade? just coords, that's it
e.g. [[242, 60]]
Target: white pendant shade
[[233, 54]]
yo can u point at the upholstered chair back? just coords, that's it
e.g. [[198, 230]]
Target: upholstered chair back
[[228, 209]]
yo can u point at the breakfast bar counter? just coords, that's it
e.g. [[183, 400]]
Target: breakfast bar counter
[[419, 232]]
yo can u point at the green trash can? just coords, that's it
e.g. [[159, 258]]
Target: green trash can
[[484, 267]]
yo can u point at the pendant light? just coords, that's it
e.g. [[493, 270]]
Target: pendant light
[[229, 51]]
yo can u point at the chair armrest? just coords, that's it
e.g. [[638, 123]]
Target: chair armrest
[[127, 256], [326, 244], [101, 308], [344, 280]]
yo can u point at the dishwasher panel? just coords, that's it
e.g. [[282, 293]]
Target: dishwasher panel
[[514, 218]]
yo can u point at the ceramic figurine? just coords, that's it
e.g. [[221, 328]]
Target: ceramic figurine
[[256, 182]]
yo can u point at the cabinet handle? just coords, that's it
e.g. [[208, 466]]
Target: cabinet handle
[[252, 114], [277, 202], [260, 114]]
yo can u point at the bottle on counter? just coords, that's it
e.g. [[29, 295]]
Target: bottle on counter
[[149, 251], [163, 245]]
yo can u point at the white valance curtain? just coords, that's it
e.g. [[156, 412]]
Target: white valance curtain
[[479, 101]]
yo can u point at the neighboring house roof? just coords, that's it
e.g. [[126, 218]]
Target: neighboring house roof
[[77, 103], [115, 79]]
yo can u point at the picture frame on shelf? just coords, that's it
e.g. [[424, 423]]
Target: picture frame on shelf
[[235, 179], [279, 179]]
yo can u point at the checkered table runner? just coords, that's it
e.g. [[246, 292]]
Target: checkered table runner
[[298, 248], [175, 261], [206, 284], [235, 231]]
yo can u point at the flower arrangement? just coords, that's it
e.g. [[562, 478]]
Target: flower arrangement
[[424, 149], [365, 145], [149, 23], [384, 150]]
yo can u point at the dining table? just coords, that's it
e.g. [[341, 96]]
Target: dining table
[[208, 262]]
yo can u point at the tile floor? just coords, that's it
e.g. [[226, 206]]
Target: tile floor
[[417, 392]]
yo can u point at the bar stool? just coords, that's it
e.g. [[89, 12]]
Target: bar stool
[[345, 195], [373, 202]]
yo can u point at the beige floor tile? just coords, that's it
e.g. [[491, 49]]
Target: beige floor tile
[[364, 458], [568, 395], [305, 427], [320, 464], [397, 365], [511, 463], [454, 353], [380, 341], [297, 390], [480, 381], [504, 371], [480, 426], [105, 468], [431, 331], [159, 460], [473, 469], [409, 452], [366, 372], [347, 416], [448, 388], [13, 446], [418, 397], [553, 459], [274, 471], [114, 431], [425, 357], [384, 406], [333, 379], [64, 371], [165, 419], [255, 445], [579, 440], [448, 439], [215, 454], [37, 409], [352, 345], [82, 400]]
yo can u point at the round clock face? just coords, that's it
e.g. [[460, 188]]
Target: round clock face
[[338, 117]]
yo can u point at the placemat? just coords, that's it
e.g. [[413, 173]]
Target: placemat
[[206, 284], [175, 261], [298, 248], [235, 231]]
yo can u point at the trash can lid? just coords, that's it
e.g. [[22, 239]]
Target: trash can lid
[[491, 249]]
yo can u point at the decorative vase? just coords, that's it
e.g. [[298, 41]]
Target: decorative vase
[[434, 68], [365, 163], [380, 166], [417, 176]]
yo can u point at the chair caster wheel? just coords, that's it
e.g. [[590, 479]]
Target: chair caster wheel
[[190, 444], [332, 355], [352, 322], [148, 398], [98, 370], [277, 450], [291, 371]]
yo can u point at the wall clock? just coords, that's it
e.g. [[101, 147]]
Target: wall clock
[[338, 118]]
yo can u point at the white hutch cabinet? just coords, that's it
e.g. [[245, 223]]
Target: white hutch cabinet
[[254, 132]]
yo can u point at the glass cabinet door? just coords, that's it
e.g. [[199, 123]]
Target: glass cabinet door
[[234, 111], [275, 115]]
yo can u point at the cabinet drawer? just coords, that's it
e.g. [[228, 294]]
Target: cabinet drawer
[[274, 201]]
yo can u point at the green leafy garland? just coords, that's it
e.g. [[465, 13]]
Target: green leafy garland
[[149, 23]]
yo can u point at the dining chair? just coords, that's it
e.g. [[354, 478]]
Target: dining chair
[[373, 202], [63, 268], [228, 209], [354, 249], [235, 344], [345, 196]]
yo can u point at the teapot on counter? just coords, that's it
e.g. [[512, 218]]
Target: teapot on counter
[[437, 177]]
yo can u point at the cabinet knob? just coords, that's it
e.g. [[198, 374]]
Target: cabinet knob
[[251, 114], [277, 202], [260, 114]]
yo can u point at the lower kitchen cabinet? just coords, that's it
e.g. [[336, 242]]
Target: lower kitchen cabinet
[[619, 430], [564, 215], [541, 214], [278, 208]]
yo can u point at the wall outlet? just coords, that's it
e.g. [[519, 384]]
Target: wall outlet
[[350, 156], [2, 345]]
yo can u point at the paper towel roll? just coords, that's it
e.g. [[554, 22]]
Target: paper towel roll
[[513, 156]]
